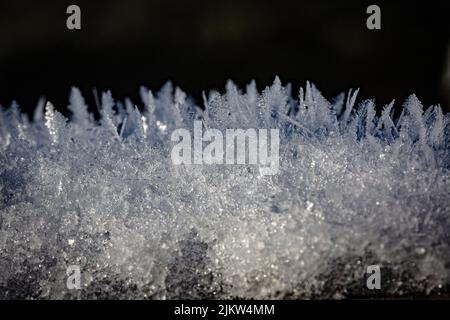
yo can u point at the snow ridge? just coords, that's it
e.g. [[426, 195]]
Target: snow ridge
[[355, 187]]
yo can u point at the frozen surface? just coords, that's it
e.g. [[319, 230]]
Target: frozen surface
[[355, 187]]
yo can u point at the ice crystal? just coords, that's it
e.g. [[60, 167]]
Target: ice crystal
[[356, 187]]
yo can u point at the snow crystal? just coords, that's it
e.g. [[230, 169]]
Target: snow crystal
[[355, 187]]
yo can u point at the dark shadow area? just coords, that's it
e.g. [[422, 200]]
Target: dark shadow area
[[200, 44]]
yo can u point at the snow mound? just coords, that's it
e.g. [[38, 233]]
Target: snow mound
[[355, 187]]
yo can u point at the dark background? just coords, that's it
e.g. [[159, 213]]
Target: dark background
[[200, 44]]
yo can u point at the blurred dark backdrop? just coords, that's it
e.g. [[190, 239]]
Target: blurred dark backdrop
[[200, 44]]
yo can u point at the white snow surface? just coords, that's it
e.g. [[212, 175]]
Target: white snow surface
[[356, 187]]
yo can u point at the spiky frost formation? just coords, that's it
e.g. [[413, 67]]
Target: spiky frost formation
[[354, 188]]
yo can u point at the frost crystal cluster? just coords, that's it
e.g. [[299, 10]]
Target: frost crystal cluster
[[355, 187]]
